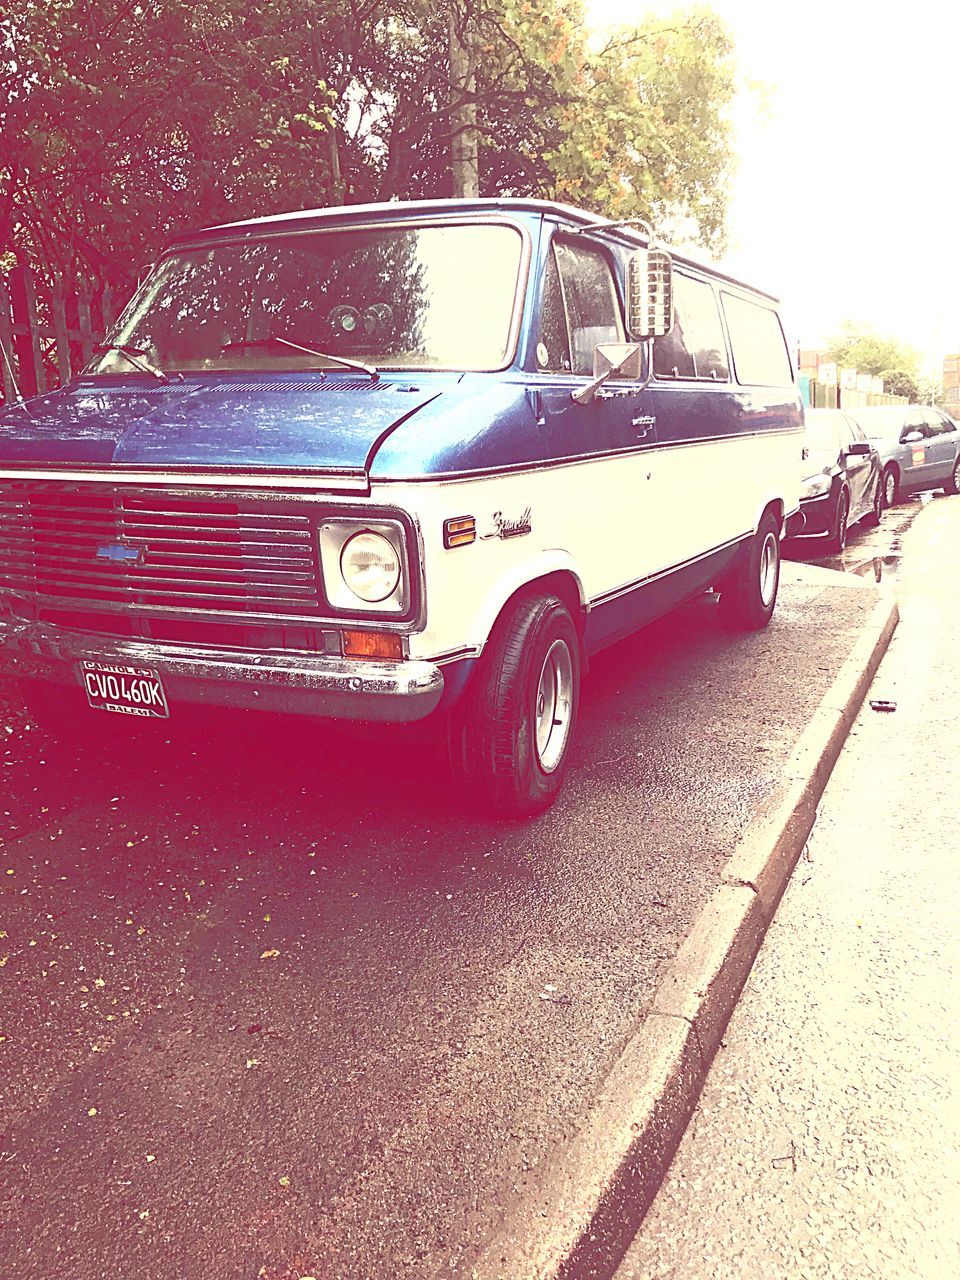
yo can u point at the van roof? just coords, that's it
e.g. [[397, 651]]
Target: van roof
[[403, 209]]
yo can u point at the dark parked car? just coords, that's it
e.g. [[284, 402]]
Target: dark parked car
[[843, 483], [919, 448]]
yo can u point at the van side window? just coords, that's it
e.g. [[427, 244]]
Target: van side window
[[672, 357], [696, 347], [593, 313], [553, 340], [759, 348], [704, 330]]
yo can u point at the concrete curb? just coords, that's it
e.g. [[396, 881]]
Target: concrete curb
[[576, 1222]]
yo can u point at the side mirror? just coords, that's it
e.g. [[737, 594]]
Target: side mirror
[[860, 448], [650, 293], [621, 359], [911, 437]]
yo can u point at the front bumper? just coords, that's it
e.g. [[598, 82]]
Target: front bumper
[[817, 516], [290, 682]]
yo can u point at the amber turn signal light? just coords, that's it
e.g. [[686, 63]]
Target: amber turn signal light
[[459, 531], [372, 644]]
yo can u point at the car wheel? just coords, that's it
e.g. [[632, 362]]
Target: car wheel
[[748, 595], [510, 740], [838, 538], [873, 516], [953, 484], [891, 487]]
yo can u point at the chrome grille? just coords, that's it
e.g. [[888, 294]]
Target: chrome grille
[[200, 556]]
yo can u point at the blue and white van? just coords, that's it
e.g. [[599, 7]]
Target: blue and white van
[[395, 461]]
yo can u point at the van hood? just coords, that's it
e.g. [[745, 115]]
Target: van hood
[[257, 422]]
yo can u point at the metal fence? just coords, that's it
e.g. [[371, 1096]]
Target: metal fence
[[48, 334]]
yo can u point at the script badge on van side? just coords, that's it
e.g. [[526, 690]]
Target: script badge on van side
[[504, 527]]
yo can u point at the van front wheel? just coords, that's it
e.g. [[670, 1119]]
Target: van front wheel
[[510, 741], [748, 595]]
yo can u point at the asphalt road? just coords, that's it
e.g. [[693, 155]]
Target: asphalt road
[[274, 1005], [826, 1143]]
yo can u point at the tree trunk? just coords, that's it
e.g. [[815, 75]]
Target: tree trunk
[[463, 115], [338, 188]]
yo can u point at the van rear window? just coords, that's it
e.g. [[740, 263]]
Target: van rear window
[[759, 348]]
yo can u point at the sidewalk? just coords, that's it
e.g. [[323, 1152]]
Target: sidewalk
[[826, 1142]]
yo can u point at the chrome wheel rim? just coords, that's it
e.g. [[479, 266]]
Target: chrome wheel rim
[[842, 524], [769, 565], [889, 489], [554, 706]]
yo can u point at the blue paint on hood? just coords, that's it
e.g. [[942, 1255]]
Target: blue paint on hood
[[255, 422]]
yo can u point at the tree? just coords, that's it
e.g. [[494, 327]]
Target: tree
[[897, 382], [869, 352], [124, 120], [121, 121]]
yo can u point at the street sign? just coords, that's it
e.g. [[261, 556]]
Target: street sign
[[827, 373]]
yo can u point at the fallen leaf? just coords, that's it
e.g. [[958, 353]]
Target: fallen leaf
[[92, 1111], [284, 1181], [150, 1159], [269, 955]]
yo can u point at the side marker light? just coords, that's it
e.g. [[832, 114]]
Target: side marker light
[[459, 532]]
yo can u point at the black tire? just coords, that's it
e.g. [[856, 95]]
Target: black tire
[[495, 747], [748, 593], [875, 514], [953, 484], [891, 487], [838, 537]]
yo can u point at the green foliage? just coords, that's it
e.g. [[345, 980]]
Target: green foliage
[[867, 351], [649, 134], [898, 382], [122, 121]]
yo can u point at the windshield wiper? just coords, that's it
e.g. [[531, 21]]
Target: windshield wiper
[[274, 340], [136, 357]]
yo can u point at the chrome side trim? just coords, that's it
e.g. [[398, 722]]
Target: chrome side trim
[[552, 464], [607, 596], [315, 481]]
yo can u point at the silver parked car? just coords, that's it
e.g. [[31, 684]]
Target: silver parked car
[[919, 448]]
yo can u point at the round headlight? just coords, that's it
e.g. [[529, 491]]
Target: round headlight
[[370, 566]]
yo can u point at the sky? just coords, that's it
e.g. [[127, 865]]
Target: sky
[[845, 201]]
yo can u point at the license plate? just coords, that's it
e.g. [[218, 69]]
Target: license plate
[[131, 691]]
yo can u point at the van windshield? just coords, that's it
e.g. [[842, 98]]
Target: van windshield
[[401, 297]]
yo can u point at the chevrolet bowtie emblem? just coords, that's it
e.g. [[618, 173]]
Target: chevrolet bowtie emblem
[[120, 554]]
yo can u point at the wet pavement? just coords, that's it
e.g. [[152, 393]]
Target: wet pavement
[[275, 1004], [826, 1143], [873, 554]]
